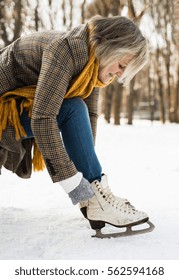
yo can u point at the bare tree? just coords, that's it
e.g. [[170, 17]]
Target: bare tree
[[71, 14], [166, 60], [83, 11], [117, 101], [36, 16], [10, 20], [136, 18]]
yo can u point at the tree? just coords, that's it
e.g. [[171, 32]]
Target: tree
[[11, 19], [166, 65], [131, 93]]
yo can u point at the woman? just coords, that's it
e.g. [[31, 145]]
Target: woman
[[67, 70]]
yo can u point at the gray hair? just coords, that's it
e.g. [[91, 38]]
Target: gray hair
[[117, 36]]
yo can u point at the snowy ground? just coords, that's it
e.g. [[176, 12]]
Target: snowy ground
[[38, 221]]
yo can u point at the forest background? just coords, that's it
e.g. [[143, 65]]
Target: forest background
[[154, 92]]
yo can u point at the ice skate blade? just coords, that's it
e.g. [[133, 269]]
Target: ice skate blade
[[128, 232]]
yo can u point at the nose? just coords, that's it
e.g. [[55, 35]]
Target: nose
[[119, 73]]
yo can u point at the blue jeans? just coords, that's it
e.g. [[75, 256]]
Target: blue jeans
[[74, 124]]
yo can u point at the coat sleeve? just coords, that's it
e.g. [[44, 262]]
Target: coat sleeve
[[55, 76], [92, 104]]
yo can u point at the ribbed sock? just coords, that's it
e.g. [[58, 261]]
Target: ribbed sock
[[83, 192]]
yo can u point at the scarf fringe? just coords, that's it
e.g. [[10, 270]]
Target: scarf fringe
[[9, 115], [37, 161]]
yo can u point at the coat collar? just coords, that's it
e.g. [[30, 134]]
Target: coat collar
[[79, 46]]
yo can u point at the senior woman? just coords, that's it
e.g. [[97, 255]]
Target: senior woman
[[67, 70]]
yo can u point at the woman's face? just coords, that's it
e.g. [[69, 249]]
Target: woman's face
[[115, 69]]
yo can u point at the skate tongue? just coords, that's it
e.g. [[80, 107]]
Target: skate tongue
[[119, 200], [105, 187], [104, 182]]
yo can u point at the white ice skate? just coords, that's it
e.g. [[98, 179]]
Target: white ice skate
[[105, 208]]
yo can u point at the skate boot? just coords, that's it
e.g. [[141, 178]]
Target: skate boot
[[106, 208]]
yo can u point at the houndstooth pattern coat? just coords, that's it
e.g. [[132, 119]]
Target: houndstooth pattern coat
[[49, 60]]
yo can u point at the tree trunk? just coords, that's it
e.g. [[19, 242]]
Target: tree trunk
[[64, 12], [71, 14], [117, 98], [130, 103], [83, 11], [37, 19], [13, 24], [177, 100], [107, 103], [151, 87]]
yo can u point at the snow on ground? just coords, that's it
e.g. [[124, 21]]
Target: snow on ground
[[38, 221]]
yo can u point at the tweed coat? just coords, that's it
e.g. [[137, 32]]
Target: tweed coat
[[50, 60]]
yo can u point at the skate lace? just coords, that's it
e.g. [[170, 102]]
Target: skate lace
[[115, 201]]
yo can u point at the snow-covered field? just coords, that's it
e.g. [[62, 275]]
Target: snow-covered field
[[38, 221]]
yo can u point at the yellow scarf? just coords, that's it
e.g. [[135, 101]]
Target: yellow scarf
[[82, 86]]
